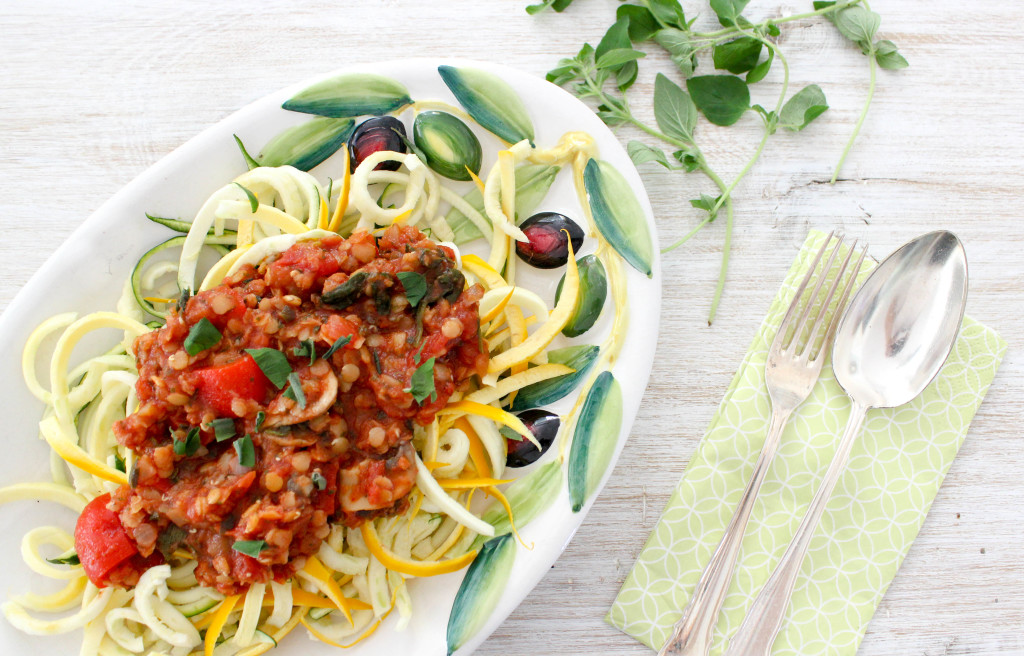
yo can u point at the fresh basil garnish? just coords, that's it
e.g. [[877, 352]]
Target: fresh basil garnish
[[415, 285], [422, 383], [251, 548], [246, 452], [294, 391], [273, 364], [338, 343], [306, 349], [223, 428], [189, 445], [202, 336]]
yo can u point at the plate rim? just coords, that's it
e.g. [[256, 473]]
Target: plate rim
[[182, 155]]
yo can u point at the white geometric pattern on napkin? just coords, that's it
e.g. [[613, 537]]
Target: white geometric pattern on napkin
[[874, 515]]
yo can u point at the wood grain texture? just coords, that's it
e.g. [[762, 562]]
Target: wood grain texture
[[93, 93]]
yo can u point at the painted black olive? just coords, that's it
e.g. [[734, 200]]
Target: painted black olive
[[548, 246], [374, 135], [544, 426]]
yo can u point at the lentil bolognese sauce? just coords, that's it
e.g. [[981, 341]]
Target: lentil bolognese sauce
[[276, 465]]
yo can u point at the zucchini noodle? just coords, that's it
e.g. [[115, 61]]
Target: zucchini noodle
[[359, 575]]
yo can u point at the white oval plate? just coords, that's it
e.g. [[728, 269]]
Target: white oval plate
[[87, 272]]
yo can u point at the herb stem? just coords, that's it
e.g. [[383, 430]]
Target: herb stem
[[727, 190], [863, 115], [676, 244], [726, 249], [782, 19], [657, 134]]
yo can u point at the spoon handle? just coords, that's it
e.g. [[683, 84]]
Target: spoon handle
[[764, 619]]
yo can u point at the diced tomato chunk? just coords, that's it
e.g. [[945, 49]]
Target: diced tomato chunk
[[337, 327], [218, 386], [101, 541]]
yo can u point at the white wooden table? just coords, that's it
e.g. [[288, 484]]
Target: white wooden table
[[93, 93]]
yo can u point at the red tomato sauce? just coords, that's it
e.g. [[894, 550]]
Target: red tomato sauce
[[343, 458]]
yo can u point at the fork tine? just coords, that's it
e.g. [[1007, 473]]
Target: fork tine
[[814, 296], [780, 336], [842, 301], [819, 320]]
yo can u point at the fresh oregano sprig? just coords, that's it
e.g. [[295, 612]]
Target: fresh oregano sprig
[[746, 50]]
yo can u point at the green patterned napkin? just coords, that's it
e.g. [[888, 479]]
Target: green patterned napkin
[[875, 512]]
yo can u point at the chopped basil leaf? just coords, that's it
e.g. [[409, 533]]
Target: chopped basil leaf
[[251, 548], [294, 391], [511, 434], [422, 383], [260, 418], [246, 452], [202, 336], [376, 362], [318, 480], [189, 445], [273, 364], [67, 558], [306, 349], [415, 286], [254, 203], [223, 428], [119, 463], [338, 343]]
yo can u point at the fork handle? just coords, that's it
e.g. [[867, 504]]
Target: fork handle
[[693, 631], [764, 619]]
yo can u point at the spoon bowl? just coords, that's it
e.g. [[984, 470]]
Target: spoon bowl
[[902, 323]]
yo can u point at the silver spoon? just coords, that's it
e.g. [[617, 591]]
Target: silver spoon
[[896, 334]]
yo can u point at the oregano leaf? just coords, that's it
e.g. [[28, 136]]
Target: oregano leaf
[[642, 24], [618, 57], [668, 13], [674, 110], [757, 73], [722, 99], [888, 56], [728, 10], [858, 24], [641, 153], [806, 105], [680, 48], [739, 55]]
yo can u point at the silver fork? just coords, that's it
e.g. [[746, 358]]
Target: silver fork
[[793, 366]]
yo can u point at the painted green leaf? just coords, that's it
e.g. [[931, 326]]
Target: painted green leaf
[[590, 301], [618, 215], [593, 442], [448, 144], [351, 95], [528, 497], [480, 590], [532, 184], [306, 145], [581, 358], [490, 101]]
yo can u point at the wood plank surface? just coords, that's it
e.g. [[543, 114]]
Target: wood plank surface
[[93, 93]]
